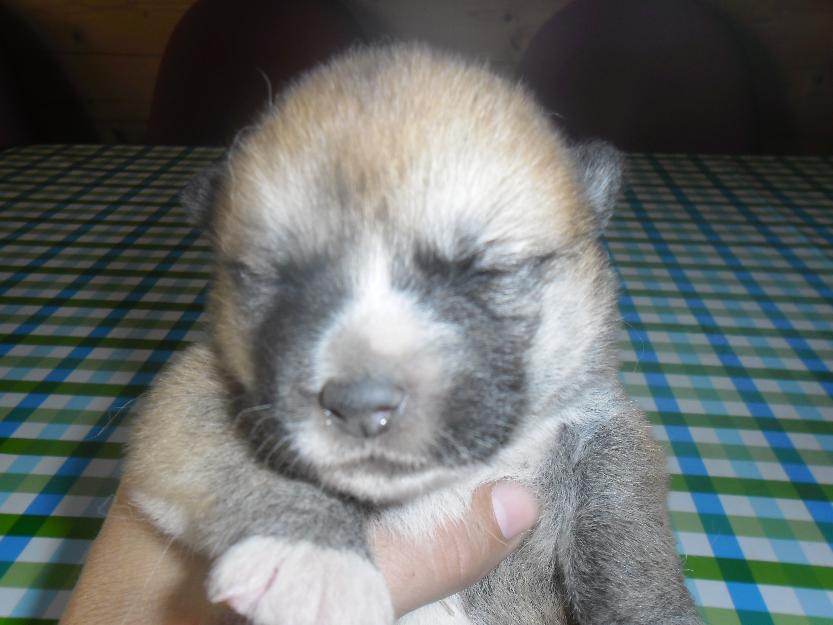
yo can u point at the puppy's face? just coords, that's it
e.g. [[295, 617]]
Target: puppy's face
[[407, 272]]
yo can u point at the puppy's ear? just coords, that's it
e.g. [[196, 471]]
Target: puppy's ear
[[600, 167], [199, 196]]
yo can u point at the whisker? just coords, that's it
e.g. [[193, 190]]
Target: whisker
[[244, 413]]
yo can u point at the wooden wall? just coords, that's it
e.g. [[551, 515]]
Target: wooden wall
[[796, 36], [111, 49]]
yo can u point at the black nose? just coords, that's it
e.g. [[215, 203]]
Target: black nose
[[363, 407]]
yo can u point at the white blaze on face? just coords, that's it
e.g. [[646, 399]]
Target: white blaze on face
[[381, 330], [382, 314]]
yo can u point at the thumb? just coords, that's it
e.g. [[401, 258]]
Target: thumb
[[422, 570]]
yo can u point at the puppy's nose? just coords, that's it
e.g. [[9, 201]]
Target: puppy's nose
[[362, 407]]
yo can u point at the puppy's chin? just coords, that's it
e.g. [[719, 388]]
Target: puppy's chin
[[391, 468], [382, 482]]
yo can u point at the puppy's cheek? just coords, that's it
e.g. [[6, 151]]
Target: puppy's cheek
[[232, 337], [272, 581]]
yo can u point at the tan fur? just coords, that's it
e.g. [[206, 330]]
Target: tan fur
[[178, 449], [501, 337], [403, 159], [372, 137], [377, 137]]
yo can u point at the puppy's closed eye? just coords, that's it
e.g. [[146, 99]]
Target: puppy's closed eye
[[241, 273]]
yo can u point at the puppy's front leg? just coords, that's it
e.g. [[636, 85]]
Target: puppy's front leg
[[286, 553], [295, 556], [618, 563], [616, 559]]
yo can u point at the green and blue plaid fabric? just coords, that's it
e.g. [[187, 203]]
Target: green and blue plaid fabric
[[727, 297]]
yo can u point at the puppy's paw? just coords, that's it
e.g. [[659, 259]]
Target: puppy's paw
[[280, 582]]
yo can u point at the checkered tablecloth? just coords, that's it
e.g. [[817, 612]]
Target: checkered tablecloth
[[727, 272]]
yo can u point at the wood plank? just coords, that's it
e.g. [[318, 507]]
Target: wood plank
[[498, 30], [102, 26], [111, 49], [113, 87], [122, 131]]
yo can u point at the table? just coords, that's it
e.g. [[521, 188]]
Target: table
[[727, 296]]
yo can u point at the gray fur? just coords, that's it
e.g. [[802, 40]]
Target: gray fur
[[495, 315], [600, 168], [250, 499], [603, 552], [200, 194]]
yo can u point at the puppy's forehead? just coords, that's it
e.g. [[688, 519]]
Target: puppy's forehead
[[405, 141]]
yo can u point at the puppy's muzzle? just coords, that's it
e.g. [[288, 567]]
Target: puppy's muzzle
[[363, 407]]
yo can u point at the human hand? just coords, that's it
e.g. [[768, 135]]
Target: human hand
[[134, 575], [419, 572]]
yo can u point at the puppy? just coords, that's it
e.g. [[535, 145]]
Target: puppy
[[410, 300]]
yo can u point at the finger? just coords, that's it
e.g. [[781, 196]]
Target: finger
[[458, 554]]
